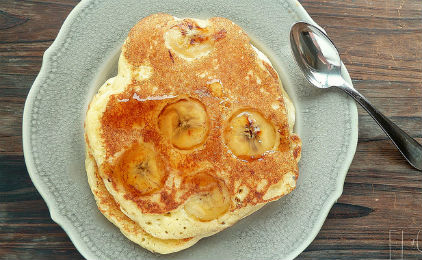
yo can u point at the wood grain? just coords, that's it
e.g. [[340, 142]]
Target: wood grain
[[379, 215]]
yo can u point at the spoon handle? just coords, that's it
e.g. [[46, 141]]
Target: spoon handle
[[409, 147]]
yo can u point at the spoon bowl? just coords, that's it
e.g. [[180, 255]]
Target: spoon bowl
[[319, 58]]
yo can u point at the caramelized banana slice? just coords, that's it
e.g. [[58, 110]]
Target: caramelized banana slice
[[249, 134], [210, 197], [189, 40], [184, 123], [140, 169]]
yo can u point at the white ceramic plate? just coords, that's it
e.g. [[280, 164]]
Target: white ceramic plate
[[85, 54]]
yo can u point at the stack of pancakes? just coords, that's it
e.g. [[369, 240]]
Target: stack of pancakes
[[194, 133]]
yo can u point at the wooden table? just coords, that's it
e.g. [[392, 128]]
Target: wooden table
[[379, 215]]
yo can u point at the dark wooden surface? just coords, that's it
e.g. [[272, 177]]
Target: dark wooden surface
[[379, 215]]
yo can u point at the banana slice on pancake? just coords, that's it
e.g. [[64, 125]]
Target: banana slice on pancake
[[184, 123], [210, 199], [189, 39], [249, 135], [140, 169]]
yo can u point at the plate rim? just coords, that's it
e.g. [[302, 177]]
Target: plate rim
[[67, 226]]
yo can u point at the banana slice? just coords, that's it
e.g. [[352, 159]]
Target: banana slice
[[140, 169], [210, 199], [189, 40], [184, 123], [249, 135]]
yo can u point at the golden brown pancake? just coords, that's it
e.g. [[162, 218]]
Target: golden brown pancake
[[195, 131]]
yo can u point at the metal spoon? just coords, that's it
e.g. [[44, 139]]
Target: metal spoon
[[320, 62]]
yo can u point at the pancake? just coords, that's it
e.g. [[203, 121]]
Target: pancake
[[195, 132], [110, 209]]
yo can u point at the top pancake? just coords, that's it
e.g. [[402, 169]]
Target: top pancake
[[167, 131]]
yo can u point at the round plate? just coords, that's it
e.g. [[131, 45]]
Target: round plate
[[85, 54]]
